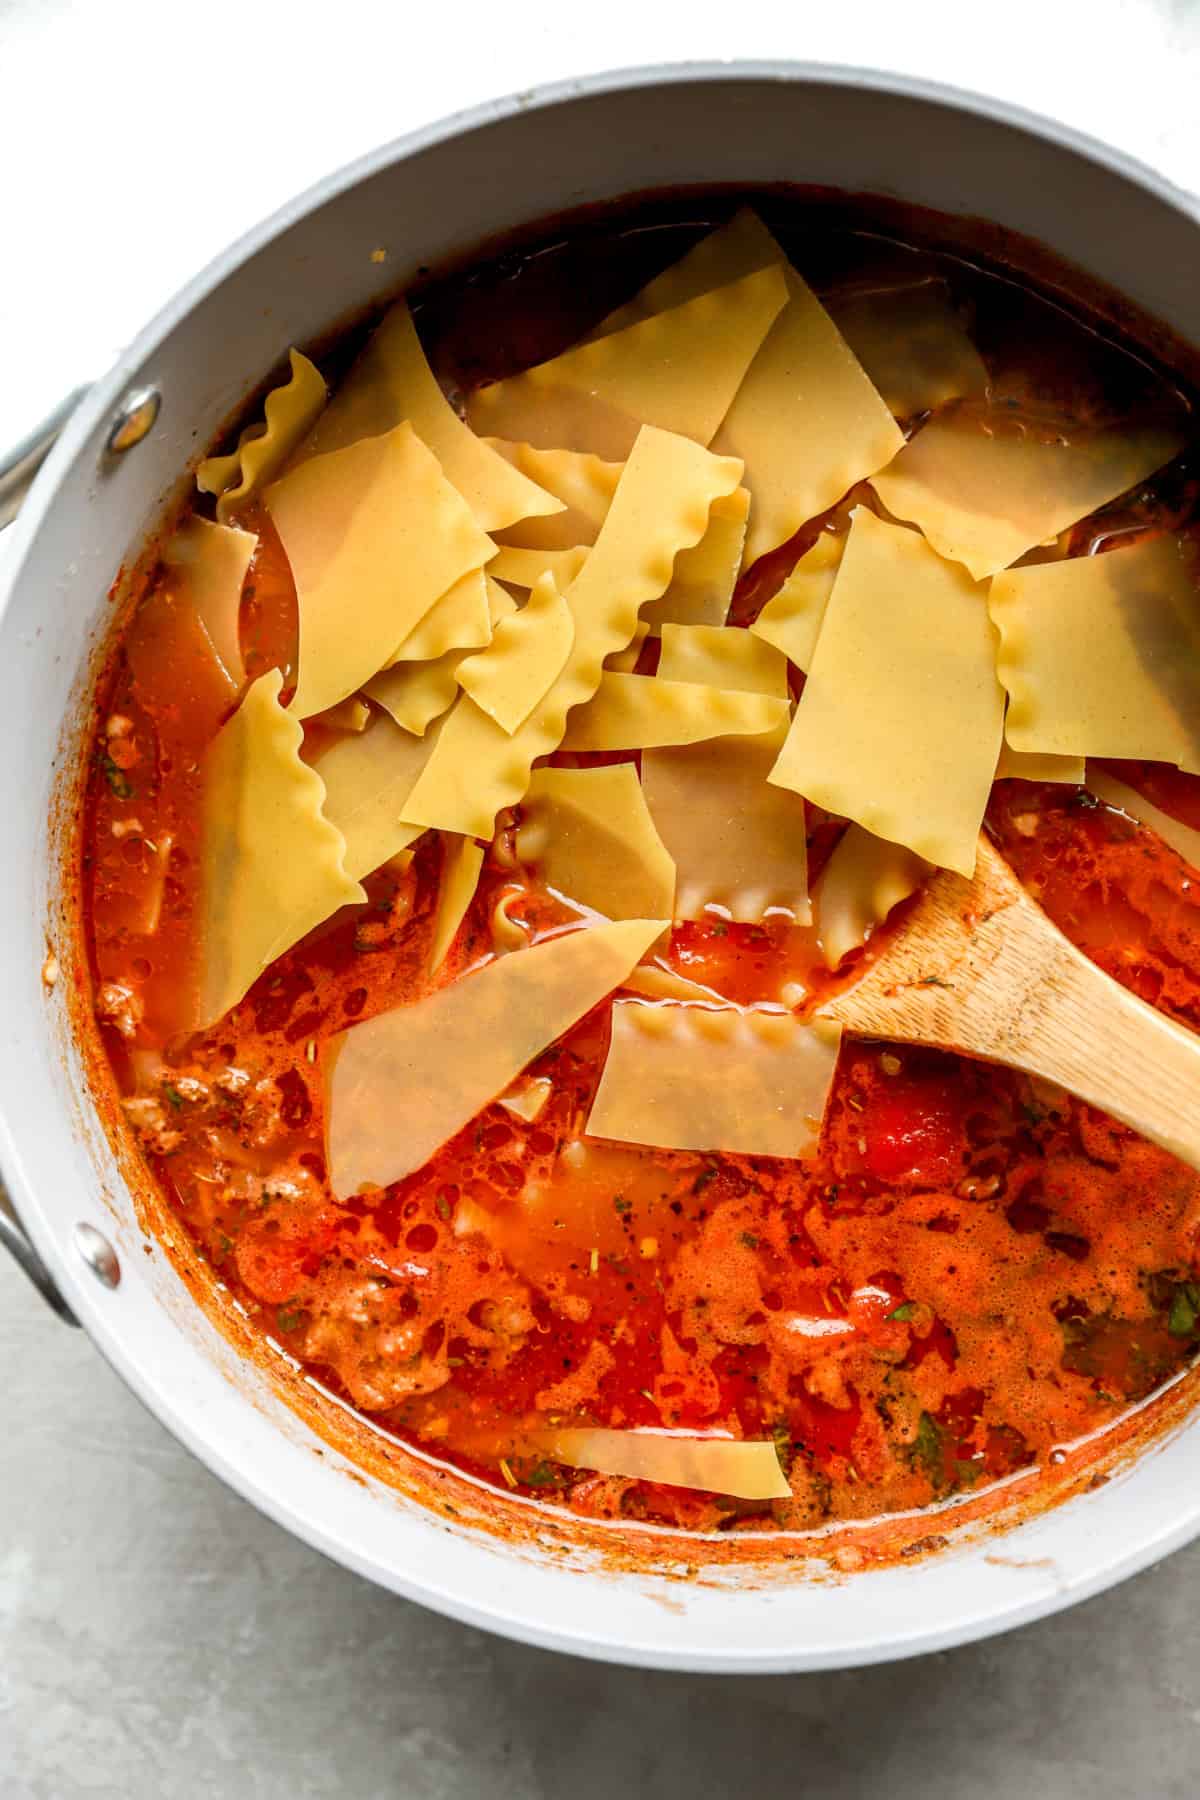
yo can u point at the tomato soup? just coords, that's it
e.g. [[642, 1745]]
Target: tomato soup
[[479, 816]]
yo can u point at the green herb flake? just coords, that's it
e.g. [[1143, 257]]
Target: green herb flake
[[172, 1096], [622, 1206], [289, 1316], [749, 1240], [116, 778], [704, 1177], [1182, 1319], [781, 1437], [905, 1311], [927, 1449], [541, 1475], [934, 981], [442, 1204]]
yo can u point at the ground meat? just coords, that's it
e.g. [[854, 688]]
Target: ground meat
[[262, 1115], [120, 1007], [157, 1134], [191, 1089]]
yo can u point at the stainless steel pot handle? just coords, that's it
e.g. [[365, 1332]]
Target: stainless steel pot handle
[[19, 465], [13, 1239]]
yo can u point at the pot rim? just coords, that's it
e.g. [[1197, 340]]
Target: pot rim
[[87, 1301]]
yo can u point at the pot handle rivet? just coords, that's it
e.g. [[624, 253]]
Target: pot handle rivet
[[98, 1254], [134, 420]]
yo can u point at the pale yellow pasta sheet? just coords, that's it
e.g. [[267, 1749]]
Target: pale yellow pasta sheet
[[525, 568], [167, 628], [272, 865], [145, 917], [791, 619], [658, 981], [403, 1083], [1100, 654], [208, 565], [1183, 839], [679, 370], [462, 861], [661, 506], [704, 578], [722, 656], [415, 694], [806, 420], [508, 934], [625, 661], [637, 712], [524, 659], [585, 485], [368, 777], [392, 382], [348, 715], [912, 343], [289, 411], [738, 842], [527, 1098], [738, 248], [501, 604], [706, 1078], [374, 534], [746, 1469], [899, 723], [587, 834], [986, 491], [1030, 765], [860, 884], [459, 620]]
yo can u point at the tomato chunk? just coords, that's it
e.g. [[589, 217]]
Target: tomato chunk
[[914, 1135]]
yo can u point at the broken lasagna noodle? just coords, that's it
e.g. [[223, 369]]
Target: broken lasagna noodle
[[549, 700]]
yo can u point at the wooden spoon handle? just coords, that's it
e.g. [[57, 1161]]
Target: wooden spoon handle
[[1101, 1042], [978, 967]]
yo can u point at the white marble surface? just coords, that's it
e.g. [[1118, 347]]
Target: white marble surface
[[157, 1638]]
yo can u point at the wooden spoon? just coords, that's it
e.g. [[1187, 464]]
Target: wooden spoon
[[978, 967]]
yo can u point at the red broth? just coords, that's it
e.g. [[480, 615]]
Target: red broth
[[974, 1270]]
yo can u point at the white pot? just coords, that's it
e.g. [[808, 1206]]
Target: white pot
[[429, 198]]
